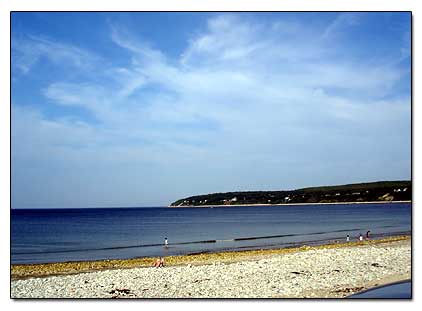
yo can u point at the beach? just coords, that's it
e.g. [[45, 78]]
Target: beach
[[334, 270]]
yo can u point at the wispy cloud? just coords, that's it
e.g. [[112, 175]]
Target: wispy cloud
[[124, 39], [341, 23], [28, 50], [224, 76]]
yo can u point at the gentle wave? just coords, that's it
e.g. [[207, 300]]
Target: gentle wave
[[201, 242], [298, 244]]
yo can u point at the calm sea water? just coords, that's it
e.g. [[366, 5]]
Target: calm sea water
[[47, 235], [402, 290]]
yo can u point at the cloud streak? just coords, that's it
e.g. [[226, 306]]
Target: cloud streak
[[27, 52]]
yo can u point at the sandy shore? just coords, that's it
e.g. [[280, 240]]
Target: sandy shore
[[333, 271]]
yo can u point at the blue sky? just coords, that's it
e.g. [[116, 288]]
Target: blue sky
[[141, 109]]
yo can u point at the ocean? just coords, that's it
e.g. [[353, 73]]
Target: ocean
[[60, 235]]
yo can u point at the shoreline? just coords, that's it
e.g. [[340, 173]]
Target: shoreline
[[290, 204], [324, 271], [41, 270]]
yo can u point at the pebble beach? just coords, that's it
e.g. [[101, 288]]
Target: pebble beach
[[327, 271]]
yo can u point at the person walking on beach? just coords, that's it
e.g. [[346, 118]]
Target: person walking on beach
[[166, 242], [367, 234], [347, 238]]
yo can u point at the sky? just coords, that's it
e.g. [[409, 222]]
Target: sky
[[142, 109]]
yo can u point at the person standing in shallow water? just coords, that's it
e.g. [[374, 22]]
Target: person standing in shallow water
[[360, 237], [367, 234], [166, 242], [347, 238]]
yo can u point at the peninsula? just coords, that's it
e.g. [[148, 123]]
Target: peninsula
[[380, 191]]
